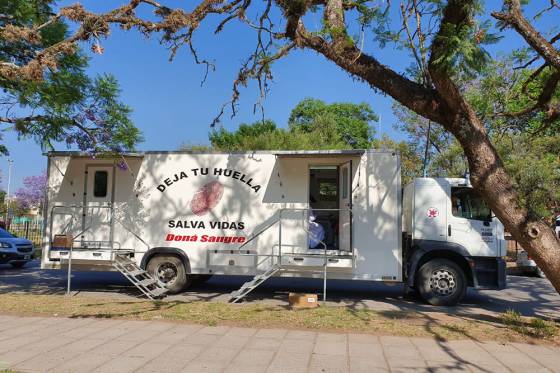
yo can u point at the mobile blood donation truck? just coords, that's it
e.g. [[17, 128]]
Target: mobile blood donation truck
[[166, 219]]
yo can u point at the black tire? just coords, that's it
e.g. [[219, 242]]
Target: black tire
[[18, 264], [441, 282], [170, 270]]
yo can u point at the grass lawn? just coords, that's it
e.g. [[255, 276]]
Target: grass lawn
[[508, 327]]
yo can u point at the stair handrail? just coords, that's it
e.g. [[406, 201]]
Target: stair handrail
[[278, 220], [70, 251], [326, 260], [255, 235], [305, 229], [132, 232]]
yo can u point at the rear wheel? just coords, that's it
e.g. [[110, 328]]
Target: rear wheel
[[170, 271], [441, 282]]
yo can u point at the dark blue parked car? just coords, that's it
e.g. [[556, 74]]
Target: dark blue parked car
[[14, 250]]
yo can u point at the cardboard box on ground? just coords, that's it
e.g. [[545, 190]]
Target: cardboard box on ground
[[62, 241], [300, 300]]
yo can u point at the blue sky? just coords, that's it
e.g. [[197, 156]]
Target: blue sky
[[171, 108]]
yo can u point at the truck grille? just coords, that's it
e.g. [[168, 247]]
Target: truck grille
[[24, 248]]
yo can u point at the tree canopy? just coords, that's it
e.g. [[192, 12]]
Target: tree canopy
[[32, 194], [351, 122], [313, 124], [62, 103], [528, 141]]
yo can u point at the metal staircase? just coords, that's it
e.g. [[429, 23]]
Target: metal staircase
[[140, 278], [249, 286]]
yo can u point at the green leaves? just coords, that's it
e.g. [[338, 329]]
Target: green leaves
[[67, 106], [313, 124], [351, 121], [505, 97], [463, 50], [527, 144], [535, 166]]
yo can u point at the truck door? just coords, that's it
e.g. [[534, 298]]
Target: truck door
[[470, 223], [345, 206], [97, 215]]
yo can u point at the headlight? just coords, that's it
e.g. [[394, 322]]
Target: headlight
[[5, 245]]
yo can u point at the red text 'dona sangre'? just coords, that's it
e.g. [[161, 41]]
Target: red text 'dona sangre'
[[204, 238]]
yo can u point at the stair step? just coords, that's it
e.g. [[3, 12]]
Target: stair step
[[149, 286], [137, 272], [249, 286], [147, 282], [158, 291]]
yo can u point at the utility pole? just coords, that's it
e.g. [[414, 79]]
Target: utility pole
[[10, 162], [425, 165]]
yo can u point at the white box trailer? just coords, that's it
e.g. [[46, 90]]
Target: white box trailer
[[165, 219]]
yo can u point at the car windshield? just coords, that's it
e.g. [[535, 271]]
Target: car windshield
[[5, 234]]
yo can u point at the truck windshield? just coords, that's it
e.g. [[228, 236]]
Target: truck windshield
[[467, 203]]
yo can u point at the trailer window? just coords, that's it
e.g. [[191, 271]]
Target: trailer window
[[345, 182], [100, 184], [467, 203]]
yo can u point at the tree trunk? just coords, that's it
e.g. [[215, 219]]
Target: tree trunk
[[491, 180]]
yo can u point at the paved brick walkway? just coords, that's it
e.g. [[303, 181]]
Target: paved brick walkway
[[40, 344]]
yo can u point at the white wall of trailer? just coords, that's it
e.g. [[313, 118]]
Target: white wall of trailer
[[259, 185]]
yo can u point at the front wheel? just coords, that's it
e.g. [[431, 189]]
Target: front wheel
[[441, 282], [170, 271]]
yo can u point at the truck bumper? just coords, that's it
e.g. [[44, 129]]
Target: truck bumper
[[489, 273]]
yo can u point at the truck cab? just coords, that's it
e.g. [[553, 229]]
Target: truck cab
[[452, 240]]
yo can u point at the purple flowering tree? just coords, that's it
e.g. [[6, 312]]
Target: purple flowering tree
[[32, 194]]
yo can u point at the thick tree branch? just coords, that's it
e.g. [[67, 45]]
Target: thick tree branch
[[414, 96], [513, 17], [26, 119], [342, 51], [95, 26], [456, 15], [334, 18], [553, 40]]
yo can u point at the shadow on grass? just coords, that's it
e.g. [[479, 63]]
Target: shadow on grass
[[439, 326]]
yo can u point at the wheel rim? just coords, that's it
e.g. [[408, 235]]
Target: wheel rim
[[443, 282], [167, 273]]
